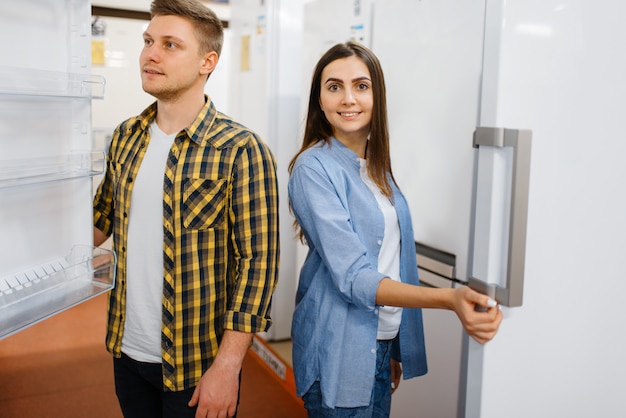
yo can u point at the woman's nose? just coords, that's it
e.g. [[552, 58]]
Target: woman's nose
[[348, 96]]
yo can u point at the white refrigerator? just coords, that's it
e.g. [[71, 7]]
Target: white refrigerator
[[265, 45], [548, 70], [47, 161]]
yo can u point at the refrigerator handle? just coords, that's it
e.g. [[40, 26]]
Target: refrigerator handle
[[520, 142]]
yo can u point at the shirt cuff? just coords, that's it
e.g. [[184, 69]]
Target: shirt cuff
[[245, 322]]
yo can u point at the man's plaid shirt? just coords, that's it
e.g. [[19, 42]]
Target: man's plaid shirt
[[221, 243]]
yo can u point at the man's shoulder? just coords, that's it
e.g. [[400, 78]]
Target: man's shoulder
[[227, 132], [134, 123]]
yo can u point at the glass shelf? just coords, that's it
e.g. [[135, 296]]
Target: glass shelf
[[15, 173], [29, 82], [31, 296]]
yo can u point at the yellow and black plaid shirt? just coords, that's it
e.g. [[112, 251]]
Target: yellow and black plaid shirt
[[220, 226]]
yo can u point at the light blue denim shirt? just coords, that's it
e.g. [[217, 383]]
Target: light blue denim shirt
[[336, 318]]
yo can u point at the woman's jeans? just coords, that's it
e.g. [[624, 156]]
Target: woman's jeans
[[380, 401]]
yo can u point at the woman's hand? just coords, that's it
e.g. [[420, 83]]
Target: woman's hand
[[481, 326]]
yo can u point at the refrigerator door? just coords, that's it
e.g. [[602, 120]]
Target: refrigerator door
[[47, 162], [557, 67]]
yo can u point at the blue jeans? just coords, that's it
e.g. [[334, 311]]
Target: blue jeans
[[139, 390], [380, 401]]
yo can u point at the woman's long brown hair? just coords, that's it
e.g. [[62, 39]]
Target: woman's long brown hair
[[318, 128]]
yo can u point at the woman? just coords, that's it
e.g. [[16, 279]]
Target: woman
[[355, 317]]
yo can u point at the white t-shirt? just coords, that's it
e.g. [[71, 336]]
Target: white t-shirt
[[389, 317], [144, 288]]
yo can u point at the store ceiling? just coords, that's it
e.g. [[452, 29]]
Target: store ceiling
[[220, 7]]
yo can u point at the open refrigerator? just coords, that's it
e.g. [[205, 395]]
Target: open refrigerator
[[47, 163]]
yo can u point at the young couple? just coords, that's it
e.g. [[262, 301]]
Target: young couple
[[191, 199]]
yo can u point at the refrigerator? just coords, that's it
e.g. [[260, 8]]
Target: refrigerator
[[47, 163], [464, 78], [265, 44]]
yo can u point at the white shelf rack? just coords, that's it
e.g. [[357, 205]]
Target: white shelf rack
[[14, 173], [34, 294], [30, 82]]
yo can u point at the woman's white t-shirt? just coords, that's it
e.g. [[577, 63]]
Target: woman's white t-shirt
[[389, 317]]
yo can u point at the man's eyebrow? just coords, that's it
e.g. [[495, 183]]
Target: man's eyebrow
[[166, 38]]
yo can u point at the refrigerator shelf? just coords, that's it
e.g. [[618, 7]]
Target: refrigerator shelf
[[29, 82], [28, 297], [16, 173]]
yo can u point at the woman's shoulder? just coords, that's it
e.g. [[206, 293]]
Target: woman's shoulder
[[318, 155]]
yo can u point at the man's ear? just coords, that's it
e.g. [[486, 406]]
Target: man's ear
[[209, 62]]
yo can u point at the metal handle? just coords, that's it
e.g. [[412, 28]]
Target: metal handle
[[520, 142]]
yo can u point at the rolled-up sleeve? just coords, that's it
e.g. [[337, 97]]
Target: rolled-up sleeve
[[321, 208], [255, 238]]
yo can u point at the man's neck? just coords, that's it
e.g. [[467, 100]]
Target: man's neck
[[175, 115]]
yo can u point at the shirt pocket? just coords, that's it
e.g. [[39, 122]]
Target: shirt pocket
[[204, 203]]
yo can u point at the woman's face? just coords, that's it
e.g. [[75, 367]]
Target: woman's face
[[347, 98]]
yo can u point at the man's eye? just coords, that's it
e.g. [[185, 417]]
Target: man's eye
[[170, 45], [147, 42]]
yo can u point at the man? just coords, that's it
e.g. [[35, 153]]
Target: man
[[190, 198]]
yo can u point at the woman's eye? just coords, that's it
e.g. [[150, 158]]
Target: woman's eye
[[363, 86], [147, 42], [333, 87]]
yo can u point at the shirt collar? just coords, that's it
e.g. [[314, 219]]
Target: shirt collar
[[346, 153], [196, 131]]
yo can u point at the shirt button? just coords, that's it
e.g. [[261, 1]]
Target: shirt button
[[379, 242], [373, 351]]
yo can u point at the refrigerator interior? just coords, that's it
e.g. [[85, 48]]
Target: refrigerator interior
[[47, 161]]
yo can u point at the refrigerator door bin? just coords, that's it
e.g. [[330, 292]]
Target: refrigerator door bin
[[30, 296], [15, 173], [29, 82]]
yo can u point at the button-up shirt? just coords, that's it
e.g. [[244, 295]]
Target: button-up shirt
[[220, 227], [336, 317]]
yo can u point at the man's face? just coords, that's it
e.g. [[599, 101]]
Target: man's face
[[170, 62]]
